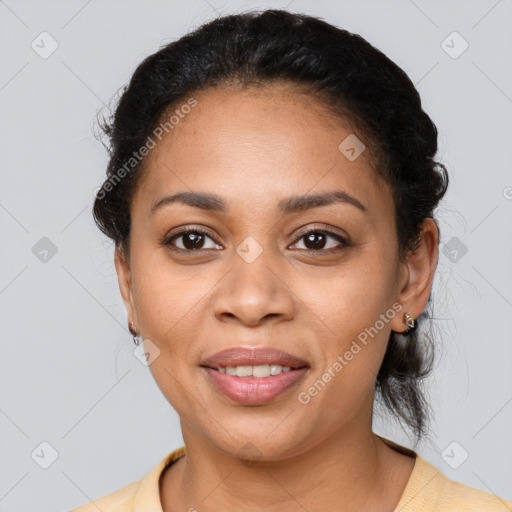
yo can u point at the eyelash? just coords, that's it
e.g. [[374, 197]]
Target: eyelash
[[344, 243]]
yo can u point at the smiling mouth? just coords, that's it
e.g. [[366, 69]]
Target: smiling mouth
[[254, 385], [256, 371]]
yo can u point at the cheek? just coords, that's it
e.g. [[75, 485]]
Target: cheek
[[167, 298], [176, 389], [343, 386], [348, 300], [352, 311]]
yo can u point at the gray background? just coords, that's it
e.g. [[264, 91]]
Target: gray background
[[68, 374]]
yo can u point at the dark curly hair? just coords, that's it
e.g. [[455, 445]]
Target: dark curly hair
[[350, 77]]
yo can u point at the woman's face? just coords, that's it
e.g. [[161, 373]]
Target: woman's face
[[256, 279]]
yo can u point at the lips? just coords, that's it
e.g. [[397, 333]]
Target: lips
[[242, 356], [253, 391]]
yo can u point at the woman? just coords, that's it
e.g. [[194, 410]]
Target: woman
[[270, 193]]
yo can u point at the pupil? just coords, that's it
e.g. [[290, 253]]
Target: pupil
[[196, 240], [313, 237]]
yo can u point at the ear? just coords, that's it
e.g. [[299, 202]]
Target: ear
[[125, 285], [417, 274]]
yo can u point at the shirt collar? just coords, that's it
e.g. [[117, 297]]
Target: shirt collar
[[147, 497]]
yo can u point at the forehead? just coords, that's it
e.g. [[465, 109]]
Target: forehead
[[256, 146]]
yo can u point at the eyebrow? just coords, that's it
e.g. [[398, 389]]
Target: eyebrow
[[294, 204]]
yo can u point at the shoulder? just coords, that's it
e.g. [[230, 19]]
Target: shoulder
[[119, 501], [143, 493], [429, 489]]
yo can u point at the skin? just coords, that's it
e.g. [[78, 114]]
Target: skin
[[254, 148]]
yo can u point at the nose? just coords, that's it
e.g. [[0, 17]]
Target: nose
[[254, 293]]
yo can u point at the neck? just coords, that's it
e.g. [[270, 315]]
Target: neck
[[353, 469]]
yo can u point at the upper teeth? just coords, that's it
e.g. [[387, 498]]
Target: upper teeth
[[262, 370]]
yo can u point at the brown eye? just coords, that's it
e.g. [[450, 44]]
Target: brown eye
[[316, 240], [193, 239]]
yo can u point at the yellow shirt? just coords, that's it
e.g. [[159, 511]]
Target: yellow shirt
[[427, 490]]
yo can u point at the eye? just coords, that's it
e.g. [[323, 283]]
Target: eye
[[193, 240], [316, 241]]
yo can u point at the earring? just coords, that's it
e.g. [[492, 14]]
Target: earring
[[411, 323], [137, 338]]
